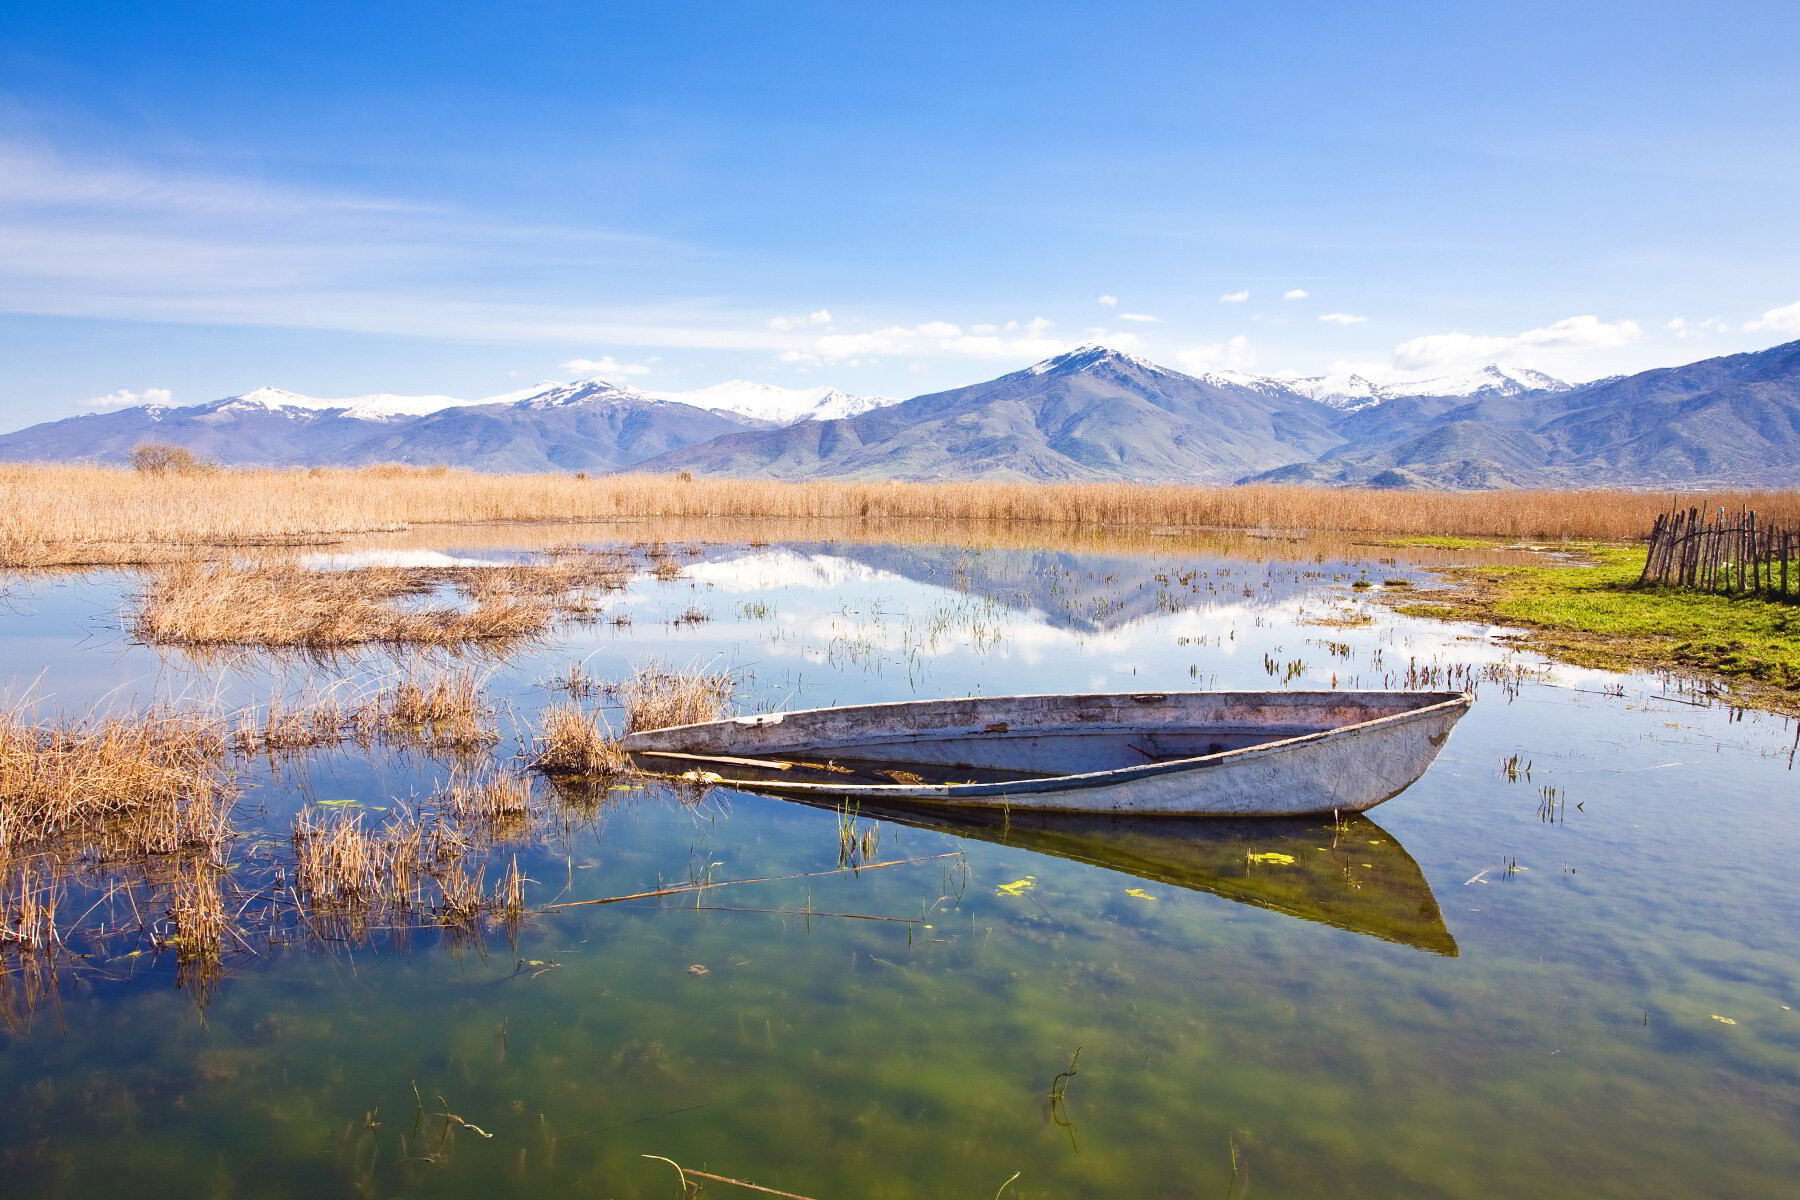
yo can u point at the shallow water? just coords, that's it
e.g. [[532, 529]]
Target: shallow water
[[1481, 992]]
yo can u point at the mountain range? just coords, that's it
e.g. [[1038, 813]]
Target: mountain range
[[1093, 414]]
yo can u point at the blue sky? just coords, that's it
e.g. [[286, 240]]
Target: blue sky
[[342, 198]]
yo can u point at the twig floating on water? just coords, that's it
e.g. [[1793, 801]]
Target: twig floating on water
[[700, 887]]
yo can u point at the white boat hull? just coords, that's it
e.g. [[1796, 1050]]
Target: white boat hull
[[1284, 753]]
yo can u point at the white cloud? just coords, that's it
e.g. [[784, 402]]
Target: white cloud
[[1342, 318], [1234, 297], [1234, 355], [1551, 344], [1138, 317], [1785, 319], [606, 367], [820, 316], [124, 398], [1687, 331], [1296, 294], [1110, 301], [1014, 339]]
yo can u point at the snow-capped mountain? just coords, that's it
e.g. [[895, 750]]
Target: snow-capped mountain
[[777, 405], [378, 406], [1491, 380], [1349, 392]]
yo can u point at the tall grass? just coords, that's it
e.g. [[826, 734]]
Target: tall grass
[[54, 514]]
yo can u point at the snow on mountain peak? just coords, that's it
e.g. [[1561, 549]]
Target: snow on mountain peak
[[1350, 392], [1083, 358], [780, 405]]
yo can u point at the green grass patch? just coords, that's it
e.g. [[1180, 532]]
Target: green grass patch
[[1595, 613], [1452, 543]]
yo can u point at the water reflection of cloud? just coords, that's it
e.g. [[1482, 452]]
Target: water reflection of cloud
[[765, 570]]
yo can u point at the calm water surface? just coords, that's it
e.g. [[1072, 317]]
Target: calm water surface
[[1484, 991]]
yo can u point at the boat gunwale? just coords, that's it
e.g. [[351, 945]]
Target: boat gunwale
[[1083, 780]]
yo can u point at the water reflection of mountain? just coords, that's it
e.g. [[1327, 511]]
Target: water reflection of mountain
[[1085, 593], [1350, 875]]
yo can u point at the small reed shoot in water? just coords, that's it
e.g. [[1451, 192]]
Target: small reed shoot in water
[[1514, 768], [856, 843]]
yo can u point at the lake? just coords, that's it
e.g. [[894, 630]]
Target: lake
[[1562, 964]]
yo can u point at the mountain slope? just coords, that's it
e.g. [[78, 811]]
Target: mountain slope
[[580, 426], [1091, 414], [1733, 420], [585, 426]]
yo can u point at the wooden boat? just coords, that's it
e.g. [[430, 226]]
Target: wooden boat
[[1241, 754]]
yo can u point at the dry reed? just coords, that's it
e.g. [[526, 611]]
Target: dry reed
[[282, 604], [76, 514], [110, 787], [576, 743], [436, 711], [656, 697]]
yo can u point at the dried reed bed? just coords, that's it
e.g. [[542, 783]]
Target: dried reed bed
[[113, 787], [73, 514], [657, 697], [283, 604]]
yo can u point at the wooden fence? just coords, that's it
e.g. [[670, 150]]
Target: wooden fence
[[1730, 553]]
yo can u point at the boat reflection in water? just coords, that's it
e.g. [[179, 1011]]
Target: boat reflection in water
[[1350, 874]]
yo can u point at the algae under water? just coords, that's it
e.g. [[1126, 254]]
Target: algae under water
[[1475, 993]]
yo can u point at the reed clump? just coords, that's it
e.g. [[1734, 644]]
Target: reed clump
[[283, 604], [444, 710], [434, 711], [57, 514], [495, 798], [114, 787], [657, 697], [576, 743]]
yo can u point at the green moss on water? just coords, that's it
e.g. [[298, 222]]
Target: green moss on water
[[1593, 611]]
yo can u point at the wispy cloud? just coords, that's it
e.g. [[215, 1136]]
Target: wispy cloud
[[1234, 297], [821, 316], [606, 367], [1009, 340], [1144, 317], [1785, 319], [1551, 344], [1296, 294], [125, 398], [1342, 318], [1110, 301], [1234, 354]]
